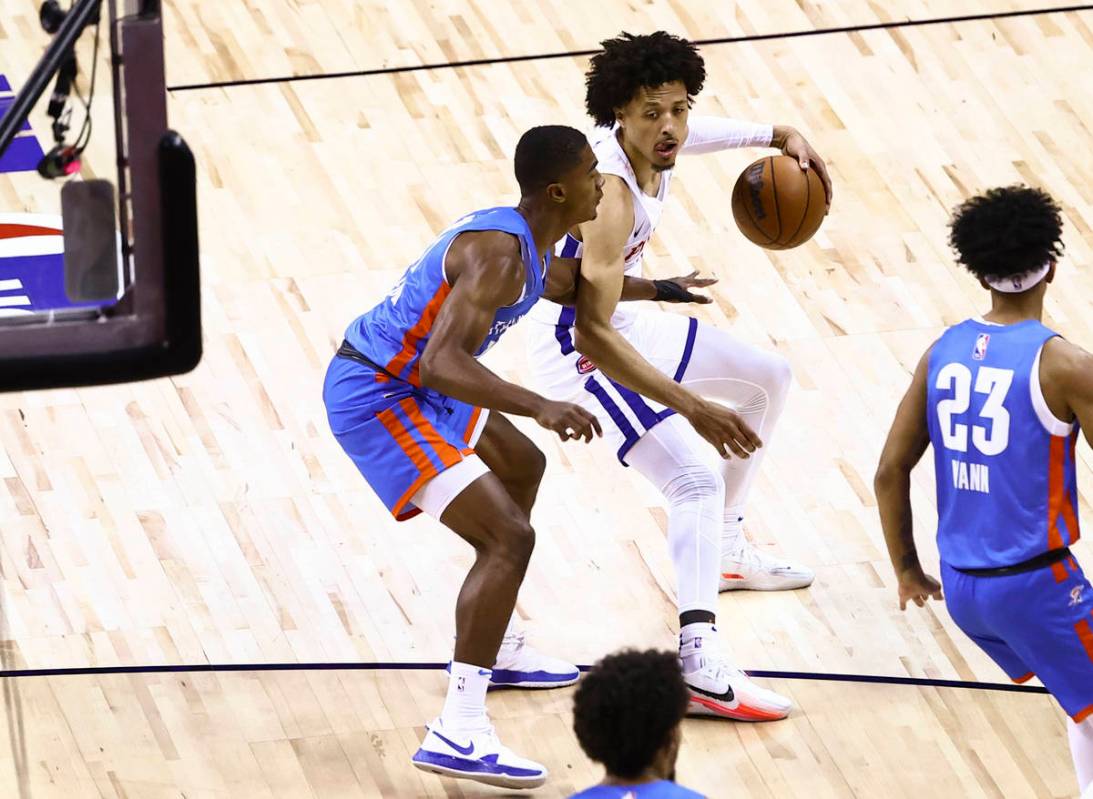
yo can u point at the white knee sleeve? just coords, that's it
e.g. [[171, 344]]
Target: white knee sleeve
[[751, 381], [1081, 748], [671, 457]]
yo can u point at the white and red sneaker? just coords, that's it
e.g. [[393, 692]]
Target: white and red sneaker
[[719, 688], [749, 568]]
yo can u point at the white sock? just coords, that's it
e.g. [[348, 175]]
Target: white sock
[[706, 633], [1081, 748], [732, 531], [465, 706]]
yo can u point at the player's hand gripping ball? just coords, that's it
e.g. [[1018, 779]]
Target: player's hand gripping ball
[[778, 205]]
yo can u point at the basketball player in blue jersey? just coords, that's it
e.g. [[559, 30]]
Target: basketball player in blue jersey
[[1001, 399], [408, 401], [627, 715], [639, 92]]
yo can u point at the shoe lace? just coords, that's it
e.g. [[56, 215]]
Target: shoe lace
[[513, 639], [718, 664], [756, 559]]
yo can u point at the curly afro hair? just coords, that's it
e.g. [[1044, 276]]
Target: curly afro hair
[[628, 63], [626, 708], [1006, 231]]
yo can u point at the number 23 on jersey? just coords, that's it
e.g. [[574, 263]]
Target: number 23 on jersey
[[995, 383]]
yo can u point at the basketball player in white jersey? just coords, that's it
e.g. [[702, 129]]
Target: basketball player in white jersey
[[639, 92]]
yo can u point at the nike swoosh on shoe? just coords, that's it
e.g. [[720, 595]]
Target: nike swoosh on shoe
[[726, 696], [463, 750]]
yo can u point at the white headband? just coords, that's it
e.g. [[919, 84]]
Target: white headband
[[1015, 284]]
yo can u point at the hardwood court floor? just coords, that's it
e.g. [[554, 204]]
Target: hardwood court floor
[[213, 519]]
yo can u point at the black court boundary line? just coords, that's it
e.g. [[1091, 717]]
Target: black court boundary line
[[412, 666], [756, 37]]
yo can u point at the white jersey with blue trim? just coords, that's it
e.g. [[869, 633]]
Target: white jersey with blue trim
[[612, 161], [665, 340], [704, 135]]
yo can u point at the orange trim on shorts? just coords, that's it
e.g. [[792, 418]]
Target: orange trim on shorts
[[404, 500], [412, 336], [1024, 678], [1082, 715], [405, 441], [1058, 569], [477, 412], [449, 455], [1085, 632], [416, 454]]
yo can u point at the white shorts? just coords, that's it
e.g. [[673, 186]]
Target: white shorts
[[437, 494], [561, 373]]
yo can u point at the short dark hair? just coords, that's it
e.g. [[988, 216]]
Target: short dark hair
[[545, 153], [626, 707], [628, 62], [1006, 231]]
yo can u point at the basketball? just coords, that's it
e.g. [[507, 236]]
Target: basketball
[[776, 204]]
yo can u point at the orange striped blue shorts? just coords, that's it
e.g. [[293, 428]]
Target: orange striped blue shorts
[[399, 436]]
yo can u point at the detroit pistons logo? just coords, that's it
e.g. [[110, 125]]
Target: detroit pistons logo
[[584, 366]]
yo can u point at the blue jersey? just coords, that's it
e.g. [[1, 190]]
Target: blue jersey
[[394, 333], [662, 789], [1006, 482]]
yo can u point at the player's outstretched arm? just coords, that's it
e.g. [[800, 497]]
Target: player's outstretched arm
[[564, 273], [711, 134], [487, 273], [598, 292], [907, 441]]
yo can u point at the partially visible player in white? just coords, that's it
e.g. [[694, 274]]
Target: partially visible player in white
[[639, 92]]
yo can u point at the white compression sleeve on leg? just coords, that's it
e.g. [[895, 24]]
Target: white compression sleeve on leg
[[1081, 748], [755, 384], [672, 457]]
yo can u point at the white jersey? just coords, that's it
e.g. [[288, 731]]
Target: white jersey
[[704, 134], [666, 340]]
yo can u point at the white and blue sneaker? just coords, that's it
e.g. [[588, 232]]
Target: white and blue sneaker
[[477, 756], [520, 666]]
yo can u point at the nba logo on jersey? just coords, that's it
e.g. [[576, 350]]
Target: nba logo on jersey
[[1076, 596], [981, 342]]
